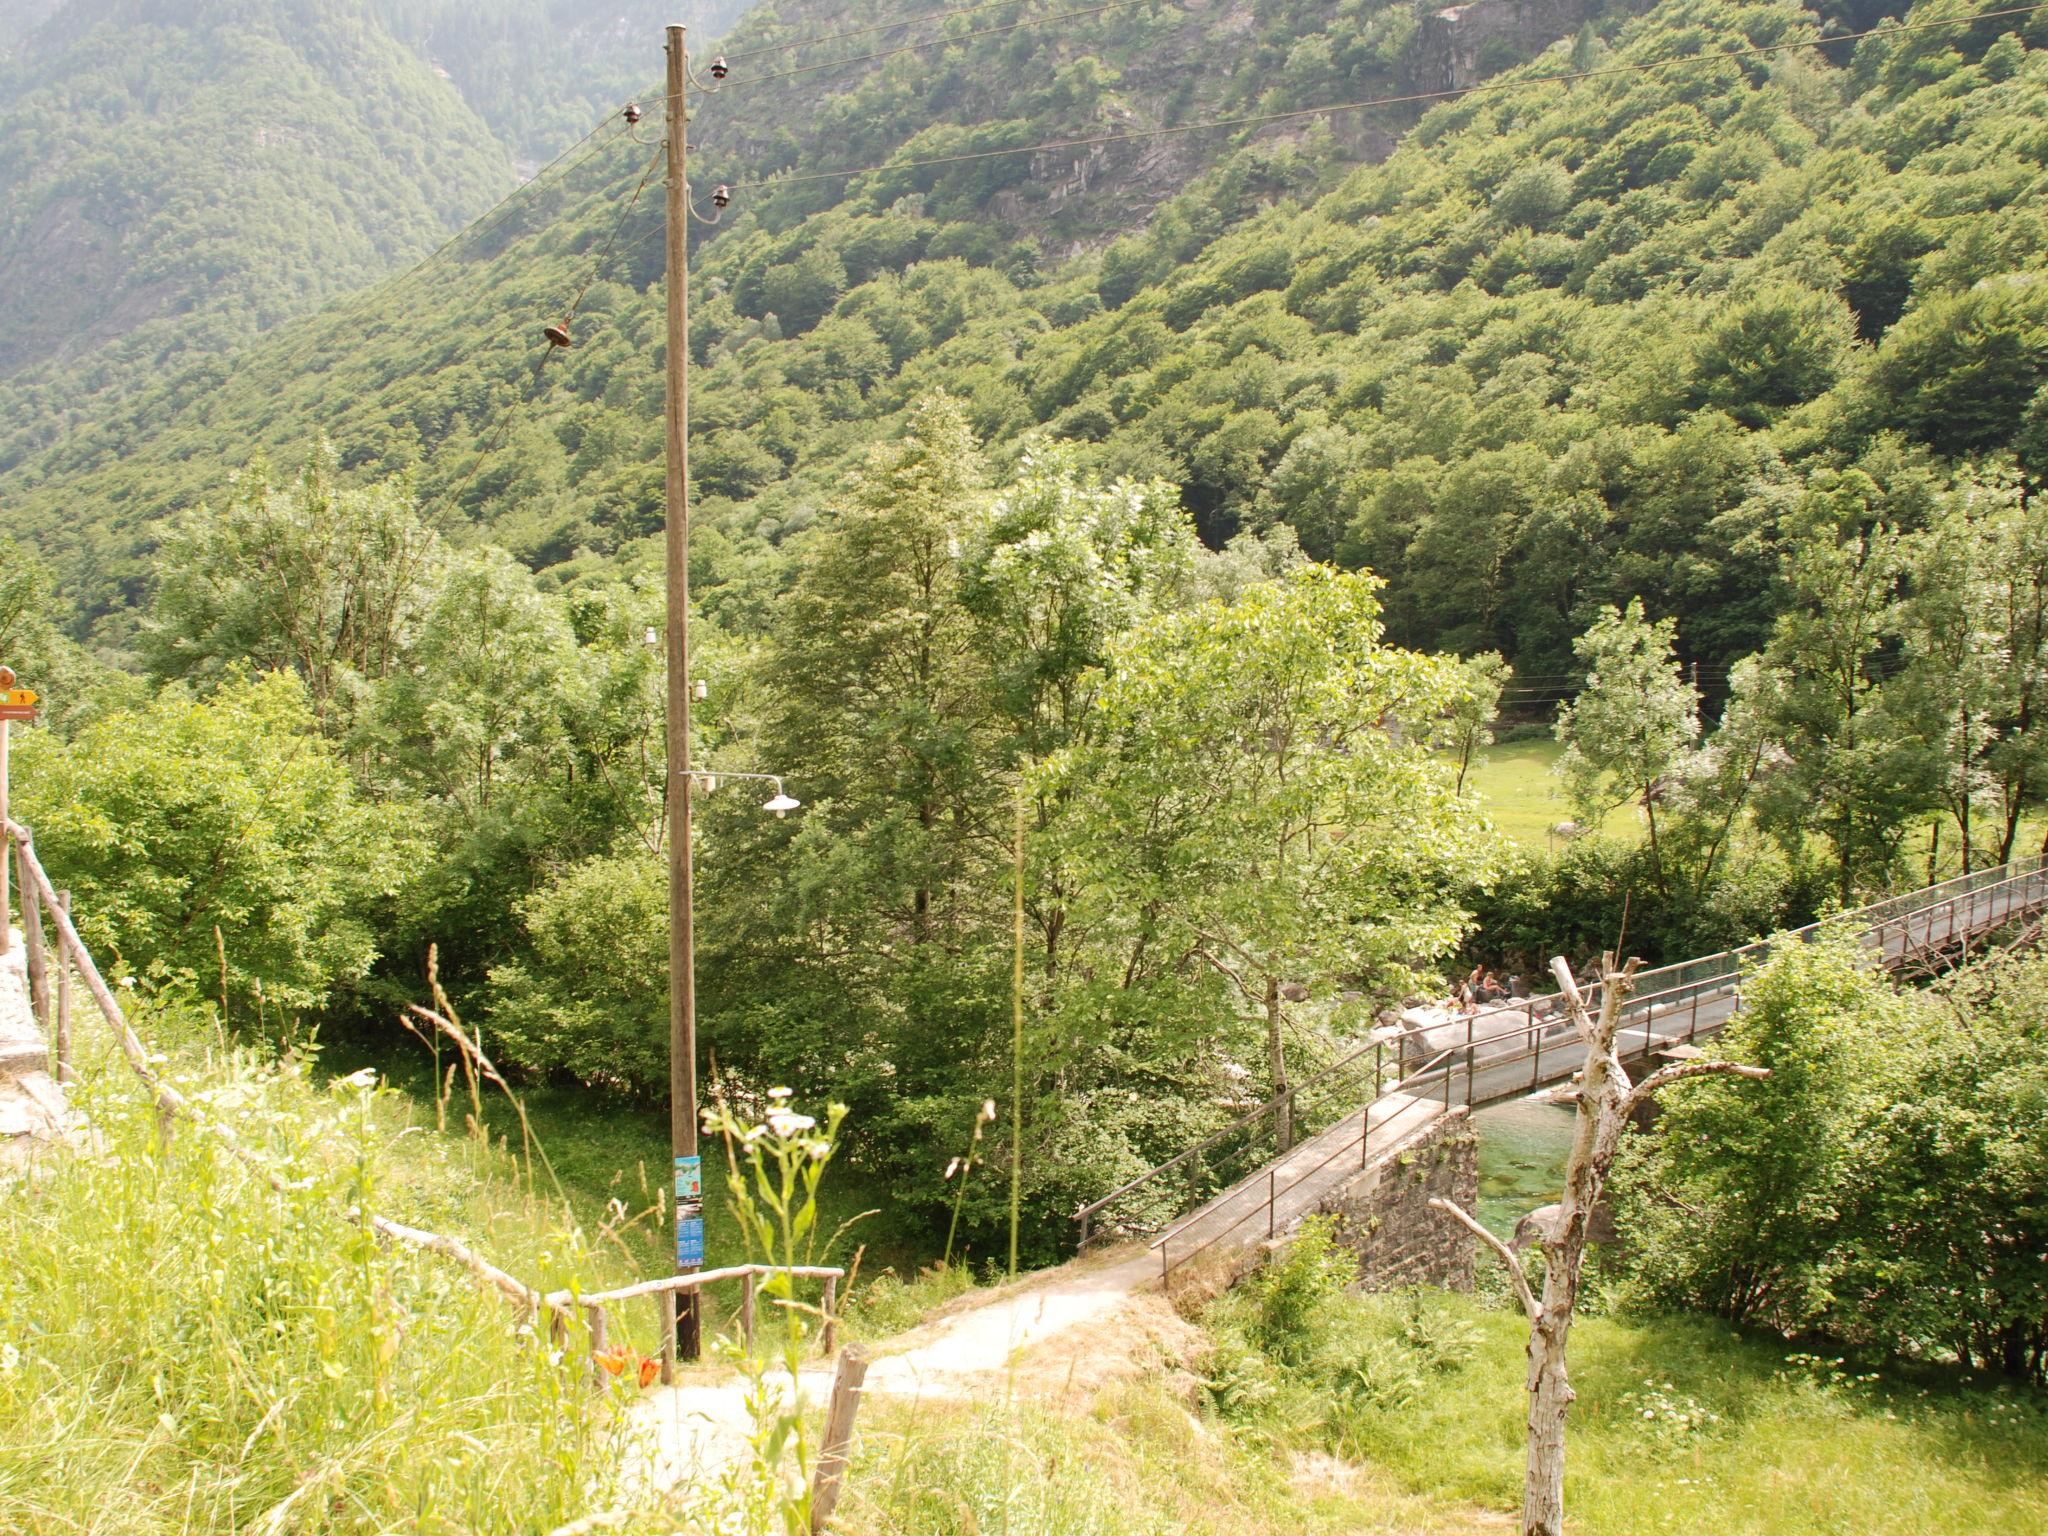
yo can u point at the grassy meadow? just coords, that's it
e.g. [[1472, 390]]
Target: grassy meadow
[[1518, 783], [184, 1348], [1681, 1425]]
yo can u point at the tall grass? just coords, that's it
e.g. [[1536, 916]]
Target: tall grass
[[183, 1348]]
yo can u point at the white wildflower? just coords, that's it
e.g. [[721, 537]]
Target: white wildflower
[[988, 1109], [787, 1123]]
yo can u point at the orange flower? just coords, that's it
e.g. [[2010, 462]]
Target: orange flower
[[622, 1359]]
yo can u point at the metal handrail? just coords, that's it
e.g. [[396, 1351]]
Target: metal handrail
[[1539, 1018], [1293, 1091]]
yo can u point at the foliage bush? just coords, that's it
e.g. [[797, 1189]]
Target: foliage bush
[[1297, 1354], [1884, 1187], [219, 842]]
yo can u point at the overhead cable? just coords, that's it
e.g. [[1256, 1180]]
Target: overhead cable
[[942, 42], [1260, 119]]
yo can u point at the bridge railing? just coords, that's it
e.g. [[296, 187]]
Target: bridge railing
[[1672, 1005], [1222, 1158]]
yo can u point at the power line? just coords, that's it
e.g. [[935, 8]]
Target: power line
[[534, 390], [604, 258], [1258, 119], [492, 217], [944, 42], [880, 26]]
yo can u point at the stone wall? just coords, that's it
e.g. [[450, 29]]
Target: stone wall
[[1384, 1212]]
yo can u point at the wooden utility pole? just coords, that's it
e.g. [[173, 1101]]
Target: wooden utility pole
[[682, 955]]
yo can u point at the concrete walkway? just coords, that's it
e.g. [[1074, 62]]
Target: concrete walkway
[[33, 1111], [988, 1344]]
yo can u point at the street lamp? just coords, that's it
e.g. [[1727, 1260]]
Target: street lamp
[[782, 803]]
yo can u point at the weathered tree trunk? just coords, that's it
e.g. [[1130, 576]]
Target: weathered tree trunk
[[1550, 1394], [1605, 1101]]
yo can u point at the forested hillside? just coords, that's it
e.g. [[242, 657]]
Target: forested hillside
[[420, 377], [539, 71], [1572, 343], [176, 179], [1720, 363], [189, 175]]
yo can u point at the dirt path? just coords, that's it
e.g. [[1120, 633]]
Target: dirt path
[[1070, 1329]]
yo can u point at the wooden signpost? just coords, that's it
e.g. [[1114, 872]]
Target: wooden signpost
[[15, 704]]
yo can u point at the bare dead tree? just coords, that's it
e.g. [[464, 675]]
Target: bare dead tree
[[1605, 1099]]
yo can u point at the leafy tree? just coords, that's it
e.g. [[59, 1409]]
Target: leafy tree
[[1884, 1187], [324, 579], [1629, 725], [1467, 726], [1957, 371], [195, 830], [578, 999], [482, 691], [1749, 1179], [1780, 349], [1244, 808], [1849, 770], [26, 588], [876, 696], [1974, 632], [1061, 568]]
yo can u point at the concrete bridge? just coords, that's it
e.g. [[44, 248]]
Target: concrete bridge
[[1222, 1198]]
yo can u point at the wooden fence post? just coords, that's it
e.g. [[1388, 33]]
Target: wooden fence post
[[831, 1309], [666, 1300], [32, 939], [830, 1478], [747, 1310], [598, 1332], [64, 1072]]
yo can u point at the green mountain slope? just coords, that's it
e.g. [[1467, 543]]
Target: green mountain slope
[[538, 71], [420, 376], [186, 175], [1571, 342]]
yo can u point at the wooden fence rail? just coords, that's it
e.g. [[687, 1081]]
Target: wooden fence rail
[[40, 898]]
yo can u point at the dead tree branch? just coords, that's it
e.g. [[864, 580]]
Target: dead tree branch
[[1501, 1250]]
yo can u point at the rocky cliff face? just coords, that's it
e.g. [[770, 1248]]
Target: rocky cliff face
[[1460, 45]]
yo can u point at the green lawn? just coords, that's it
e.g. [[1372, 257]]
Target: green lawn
[[1518, 782], [1684, 1425]]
